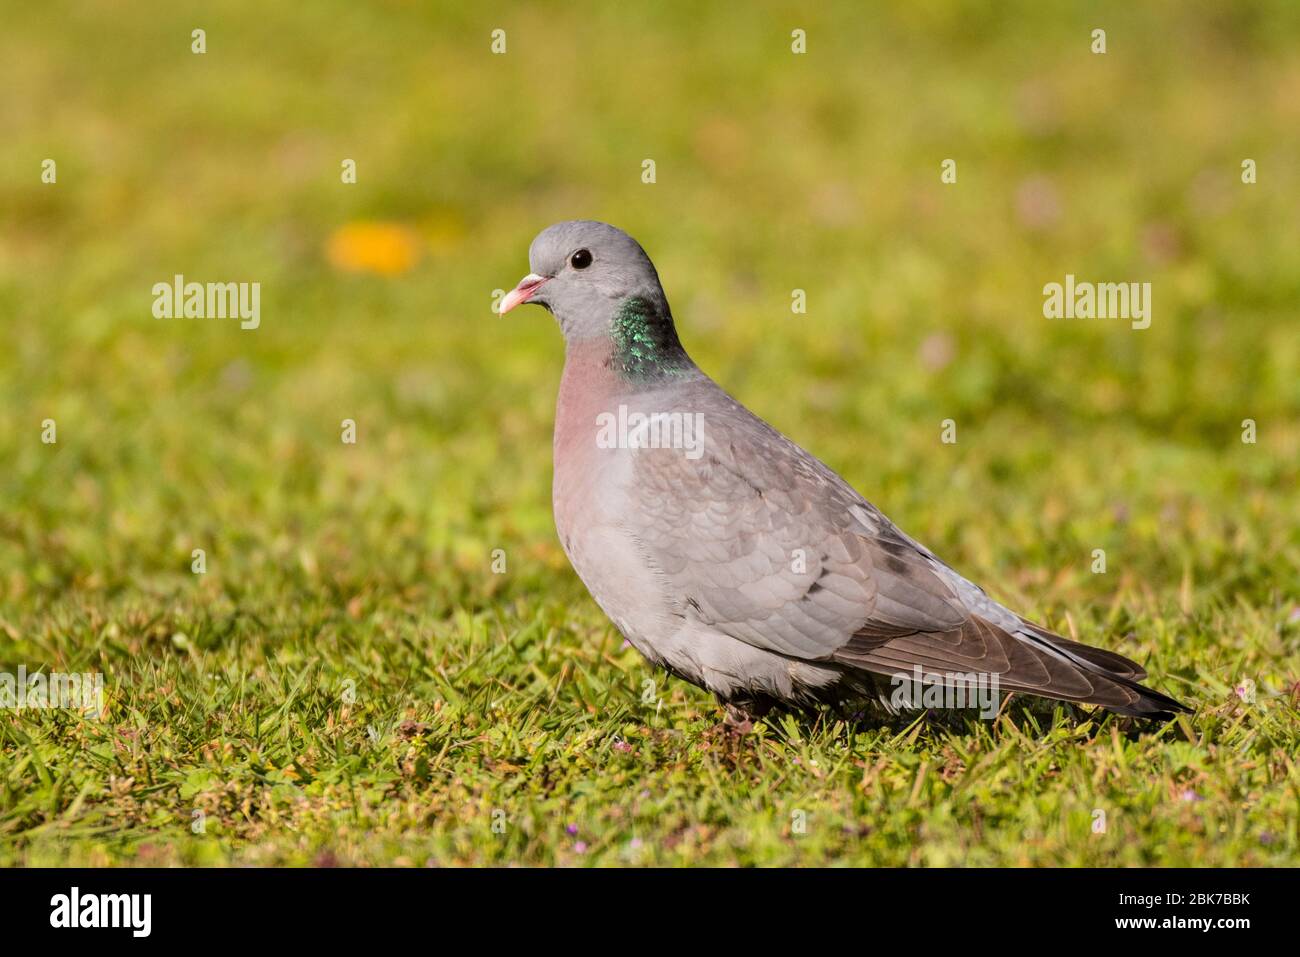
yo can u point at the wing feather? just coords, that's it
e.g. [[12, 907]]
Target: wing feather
[[764, 543]]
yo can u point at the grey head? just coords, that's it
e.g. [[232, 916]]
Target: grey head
[[585, 273]]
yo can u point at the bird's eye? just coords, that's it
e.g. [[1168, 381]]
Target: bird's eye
[[581, 259]]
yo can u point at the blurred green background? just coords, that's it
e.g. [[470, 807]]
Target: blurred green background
[[329, 562]]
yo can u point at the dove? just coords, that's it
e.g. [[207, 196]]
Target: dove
[[734, 559]]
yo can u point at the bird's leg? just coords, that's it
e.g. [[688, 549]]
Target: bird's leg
[[737, 719], [741, 714]]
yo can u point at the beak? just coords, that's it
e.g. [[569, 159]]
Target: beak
[[527, 287]]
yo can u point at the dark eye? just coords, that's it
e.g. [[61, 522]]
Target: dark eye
[[581, 259]]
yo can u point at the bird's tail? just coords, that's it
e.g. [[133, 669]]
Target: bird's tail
[[1111, 667], [1027, 658]]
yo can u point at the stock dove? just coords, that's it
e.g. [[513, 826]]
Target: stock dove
[[731, 557]]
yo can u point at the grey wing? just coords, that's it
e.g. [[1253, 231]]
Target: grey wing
[[765, 544], [762, 542]]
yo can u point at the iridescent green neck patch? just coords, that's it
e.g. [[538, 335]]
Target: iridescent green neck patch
[[645, 343]]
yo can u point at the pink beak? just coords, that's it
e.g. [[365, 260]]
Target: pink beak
[[522, 292]]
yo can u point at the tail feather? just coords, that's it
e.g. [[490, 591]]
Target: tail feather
[[1108, 661], [1031, 660]]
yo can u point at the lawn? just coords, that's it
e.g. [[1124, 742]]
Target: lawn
[[318, 651]]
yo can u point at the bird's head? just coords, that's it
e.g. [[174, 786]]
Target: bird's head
[[584, 272]]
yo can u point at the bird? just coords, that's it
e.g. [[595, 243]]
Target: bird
[[734, 559]]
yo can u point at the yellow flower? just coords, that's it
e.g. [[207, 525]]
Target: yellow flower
[[388, 249]]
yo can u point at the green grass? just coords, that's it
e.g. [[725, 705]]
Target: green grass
[[351, 682]]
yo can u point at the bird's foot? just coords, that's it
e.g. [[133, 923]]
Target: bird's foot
[[737, 720]]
